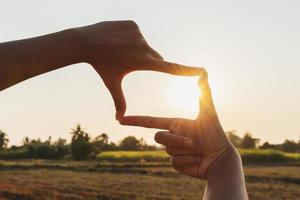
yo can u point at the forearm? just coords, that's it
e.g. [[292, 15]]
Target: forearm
[[23, 59], [225, 179]]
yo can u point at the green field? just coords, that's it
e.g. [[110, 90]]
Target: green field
[[129, 175], [249, 156]]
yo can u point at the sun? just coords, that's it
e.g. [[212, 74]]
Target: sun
[[184, 95]]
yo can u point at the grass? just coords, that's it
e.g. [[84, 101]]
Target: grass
[[269, 156], [140, 175], [249, 156], [134, 156], [131, 181]]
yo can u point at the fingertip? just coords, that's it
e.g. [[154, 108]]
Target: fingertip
[[157, 137], [123, 120], [120, 105], [160, 137], [203, 77], [119, 116], [120, 109]]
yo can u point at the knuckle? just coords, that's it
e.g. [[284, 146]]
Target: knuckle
[[173, 126], [132, 26], [198, 159], [131, 22]]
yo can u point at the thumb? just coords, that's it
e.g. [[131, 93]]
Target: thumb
[[115, 89], [207, 108]]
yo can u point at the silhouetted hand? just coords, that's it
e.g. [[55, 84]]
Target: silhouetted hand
[[117, 48], [194, 145]]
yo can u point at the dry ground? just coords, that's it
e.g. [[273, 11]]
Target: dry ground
[[128, 181]]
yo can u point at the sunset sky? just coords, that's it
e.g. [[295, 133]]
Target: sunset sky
[[251, 50]]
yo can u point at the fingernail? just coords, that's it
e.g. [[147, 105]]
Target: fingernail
[[188, 143]]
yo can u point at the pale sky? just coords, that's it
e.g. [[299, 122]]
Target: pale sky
[[251, 50]]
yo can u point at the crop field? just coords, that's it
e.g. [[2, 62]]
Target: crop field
[[128, 179], [255, 156]]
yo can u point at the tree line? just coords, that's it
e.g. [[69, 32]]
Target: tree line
[[250, 142], [83, 146]]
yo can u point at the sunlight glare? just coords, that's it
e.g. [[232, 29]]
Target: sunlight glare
[[184, 95]]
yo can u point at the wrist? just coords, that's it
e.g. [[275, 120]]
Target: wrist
[[73, 45], [229, 160], [91, 41], [225, 178]]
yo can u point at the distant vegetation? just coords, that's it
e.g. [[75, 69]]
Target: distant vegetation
[[131, 149], [249, 142], [82, 146], [134, 156], [132, 169], [249, 156]]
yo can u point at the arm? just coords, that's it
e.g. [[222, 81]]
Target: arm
[[114, 49], [225, 178], [23, 59]]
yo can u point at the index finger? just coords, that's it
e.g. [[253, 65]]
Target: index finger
[[173, 68], [149, 122]]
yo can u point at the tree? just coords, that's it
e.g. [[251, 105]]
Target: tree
[[289, 146], [130, 143], [234, 138], [3, 140], [103, 138], [78, 132], [248, 141], [49, 141], [100, 143], [80, 149], [26, 141], [80, 146], [60, 142], [112, 147], [267, 145], [61, 148]]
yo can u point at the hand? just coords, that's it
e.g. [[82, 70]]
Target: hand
[[194, 145], [117, 48]]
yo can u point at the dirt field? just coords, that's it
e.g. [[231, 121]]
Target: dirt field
[[92, 180]]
